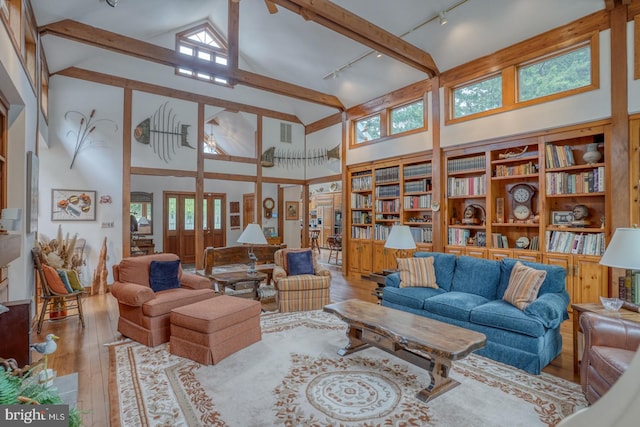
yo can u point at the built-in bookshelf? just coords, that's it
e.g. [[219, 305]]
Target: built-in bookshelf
[[417, 201]]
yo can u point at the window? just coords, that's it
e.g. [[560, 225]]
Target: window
[[203, 43], [477, 97], [407, 117], [367, 129], [557, 74]]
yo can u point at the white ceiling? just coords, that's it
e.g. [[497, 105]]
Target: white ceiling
[[286, 47]]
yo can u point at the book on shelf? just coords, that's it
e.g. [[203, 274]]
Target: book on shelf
[[559, 156]]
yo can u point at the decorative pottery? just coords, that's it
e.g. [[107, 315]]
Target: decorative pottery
[[592, 155]]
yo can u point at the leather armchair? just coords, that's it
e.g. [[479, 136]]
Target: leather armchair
[[300, 292], [609, 345], [144, 314]]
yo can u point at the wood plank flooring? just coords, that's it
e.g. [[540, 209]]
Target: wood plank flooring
[[84, 351]]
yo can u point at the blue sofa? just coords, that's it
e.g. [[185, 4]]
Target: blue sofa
[[469, 295]]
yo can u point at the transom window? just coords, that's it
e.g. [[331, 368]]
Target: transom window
[[476, 97], [203, 43], [407, 117], [367, 129]]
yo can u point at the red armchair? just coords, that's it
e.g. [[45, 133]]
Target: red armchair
[[144, 314], [609, 345]]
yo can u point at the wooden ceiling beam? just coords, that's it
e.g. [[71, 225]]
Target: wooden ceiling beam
[[340, 20], [93, 36], [233, 30]]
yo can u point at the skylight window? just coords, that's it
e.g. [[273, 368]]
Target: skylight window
[[204, 43]]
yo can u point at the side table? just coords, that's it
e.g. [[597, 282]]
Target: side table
[[578, 309], [231, 280]]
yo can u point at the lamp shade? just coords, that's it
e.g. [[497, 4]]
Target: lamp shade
[[400, 238], [253, 235], [623, 250]]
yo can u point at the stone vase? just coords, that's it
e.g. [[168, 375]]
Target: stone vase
[[592, 155]]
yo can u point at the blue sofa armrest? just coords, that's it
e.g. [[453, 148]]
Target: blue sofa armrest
[[550, 309], [393, 280]]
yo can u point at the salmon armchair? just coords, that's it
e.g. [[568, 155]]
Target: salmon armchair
[[301, 283], [145, 312]]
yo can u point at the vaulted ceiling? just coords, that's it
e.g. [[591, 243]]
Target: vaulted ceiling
[[316, 56]]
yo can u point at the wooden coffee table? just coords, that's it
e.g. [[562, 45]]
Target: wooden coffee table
[[231, 280], [427, 343]]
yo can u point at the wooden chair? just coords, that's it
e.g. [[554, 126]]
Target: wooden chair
[[335, 248], [314, 235], [49, 297]]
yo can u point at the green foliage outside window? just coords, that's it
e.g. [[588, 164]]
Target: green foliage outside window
[[477, 97], [558, 74], [368, 129], [407, 117]]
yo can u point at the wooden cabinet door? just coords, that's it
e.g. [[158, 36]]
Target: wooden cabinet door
[[590, 280], [565, 261], [527, 256], [366, 257], [476, 252], [354, 255], [498, 254], [456, 250]]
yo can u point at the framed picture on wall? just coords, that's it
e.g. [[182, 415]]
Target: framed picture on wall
[[73, 205], [291, 210]]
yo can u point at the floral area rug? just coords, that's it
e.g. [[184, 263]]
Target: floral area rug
[[294, 377]]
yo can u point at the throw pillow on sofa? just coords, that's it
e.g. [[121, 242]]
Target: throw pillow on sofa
[[524, 284], [163, 275], [417, 272]]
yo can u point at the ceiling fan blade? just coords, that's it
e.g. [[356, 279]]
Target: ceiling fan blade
[[271, 7]]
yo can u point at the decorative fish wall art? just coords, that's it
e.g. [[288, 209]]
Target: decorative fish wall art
[[292, 158], [163, 132]]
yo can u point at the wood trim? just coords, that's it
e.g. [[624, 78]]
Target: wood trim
[[229, 177], [636, 47], [344, 22], [328, 121], [199, 203], [97, 37], [328, 178], [228, 158], [233, 29], [258, 200], [107, 79], [137, 170], [126, 172], [437, 173], [401, 96]]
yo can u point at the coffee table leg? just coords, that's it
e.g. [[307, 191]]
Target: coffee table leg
[[440, 381], [355, 343]]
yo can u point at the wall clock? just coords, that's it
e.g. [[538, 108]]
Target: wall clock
[[268, 205], [521, 201]]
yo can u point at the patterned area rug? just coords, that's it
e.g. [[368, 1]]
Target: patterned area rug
[[293, 377]]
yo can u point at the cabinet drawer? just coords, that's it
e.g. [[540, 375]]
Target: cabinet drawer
[[378, 340]]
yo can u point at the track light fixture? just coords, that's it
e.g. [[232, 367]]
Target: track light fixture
[[112, 3], [443, 18]]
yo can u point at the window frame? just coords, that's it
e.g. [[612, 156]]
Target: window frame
[[509, 73], [413, 130], [182, 39]]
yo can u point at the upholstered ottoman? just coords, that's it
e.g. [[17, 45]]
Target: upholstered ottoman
[[210, 330]]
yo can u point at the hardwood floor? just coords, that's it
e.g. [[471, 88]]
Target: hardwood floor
[[84, 350]]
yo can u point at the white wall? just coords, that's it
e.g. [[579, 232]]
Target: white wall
[[329, 141], [292, 229]]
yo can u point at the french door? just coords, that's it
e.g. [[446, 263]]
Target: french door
[[179, 223]]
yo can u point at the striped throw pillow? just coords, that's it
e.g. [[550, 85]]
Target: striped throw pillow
[[524, 284], [417, 272]]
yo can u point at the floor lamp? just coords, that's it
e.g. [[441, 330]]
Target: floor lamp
[[623, 250], [401, 240], [252, 235]]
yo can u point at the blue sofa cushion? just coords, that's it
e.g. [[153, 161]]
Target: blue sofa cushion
[[477, 276], [455, 305], [502, 315], [554, 282], [444, 265], [409, 297], [163, 275], [550, 309]]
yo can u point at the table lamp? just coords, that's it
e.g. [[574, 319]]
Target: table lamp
[[623, 250], [252, 235], [400, 239]]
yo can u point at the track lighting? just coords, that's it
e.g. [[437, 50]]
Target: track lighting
[[443, 18]]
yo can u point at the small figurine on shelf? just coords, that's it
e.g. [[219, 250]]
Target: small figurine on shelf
[[470, 216], [580, 215]]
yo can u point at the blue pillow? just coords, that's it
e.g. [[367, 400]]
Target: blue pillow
[[163, 275], [65, 280], [300, 263]]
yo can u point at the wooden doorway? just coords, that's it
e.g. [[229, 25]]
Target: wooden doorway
[[179, 225], [213, 220]]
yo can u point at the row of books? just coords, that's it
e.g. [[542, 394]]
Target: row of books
[[358, 217], [418, 202], [361, 233], [388, 205], [629, 287], [569, 242], [381, 232], [559, 156], [458, 236], [388, 191], [359, 183], [575, 183], [417, 170], [472, 186], [466, 164], [391, 174], [417, 186], [499, 240], [361, 201], [525, 169], [422, 235]]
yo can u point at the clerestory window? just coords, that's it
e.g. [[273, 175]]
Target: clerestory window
[[204, 43]]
